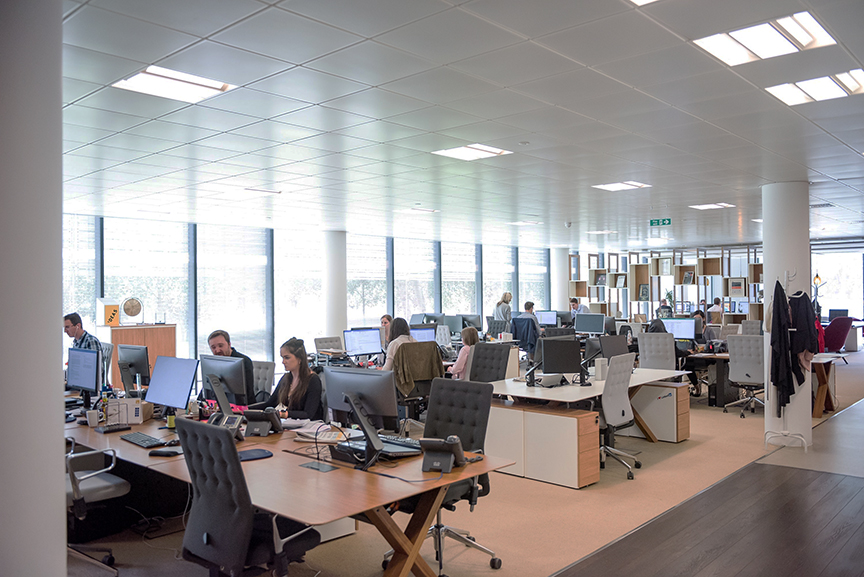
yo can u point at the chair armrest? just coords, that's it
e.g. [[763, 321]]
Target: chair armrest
[[73, 472], [71, 441]]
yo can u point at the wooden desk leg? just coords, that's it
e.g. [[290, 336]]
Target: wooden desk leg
[[640, 422], [406, 546], [823, 399]]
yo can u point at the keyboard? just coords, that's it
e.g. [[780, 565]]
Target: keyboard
[[401, 441], [143, 440], [115, 428]]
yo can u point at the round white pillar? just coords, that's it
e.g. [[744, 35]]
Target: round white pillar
[[33, 495], [786, 254], [559, 278], [335, 283]]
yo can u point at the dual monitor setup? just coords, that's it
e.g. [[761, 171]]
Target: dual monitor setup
[[559, 356], [454, 322]]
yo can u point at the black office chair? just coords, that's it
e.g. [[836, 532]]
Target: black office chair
[[525, 332], [609, 326], [489, 362], [559, 331], [495, 328], [225, 533], [458, 408]]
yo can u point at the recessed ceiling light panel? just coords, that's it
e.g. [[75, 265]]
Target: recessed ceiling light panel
[[726, 49], [474, 151], [525, 223], [789, 94], [166, 83], [617, 186], [764, 41], [712, 206], [822, 88], [602, 232]]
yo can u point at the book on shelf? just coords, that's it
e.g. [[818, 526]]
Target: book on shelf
[[688, 277]]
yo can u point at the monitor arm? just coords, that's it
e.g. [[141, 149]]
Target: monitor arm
[[374, 445]]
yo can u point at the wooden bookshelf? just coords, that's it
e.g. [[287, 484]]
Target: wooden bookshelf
[[599, 308], [709, 266], [596, 275], [578, 289], [637, 275], [679, 270], [612, 280], [754, 273]]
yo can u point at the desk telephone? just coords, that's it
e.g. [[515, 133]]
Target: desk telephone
[[225, 417], [444, 454]]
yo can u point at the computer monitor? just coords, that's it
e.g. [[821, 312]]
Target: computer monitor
[[561, 355], [437, 318], [362, 341], [172, 381], [368, 395], [592, 350], [547, 318], [564, 317], [681, 329], [133, 363], [454, 322], [417, 319], [743, 307], [229, 371], [82, 373], [475, 321], [423, 335], [613, 345], [834, 313], [591, 323], [727, 307]]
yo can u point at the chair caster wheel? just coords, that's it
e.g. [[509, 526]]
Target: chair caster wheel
[[753, 410], [725, 410], [470, 538], [384, 564], [742, 415], [108, 560], [638, 464], [602, 465], [630, 475], [495, 563]]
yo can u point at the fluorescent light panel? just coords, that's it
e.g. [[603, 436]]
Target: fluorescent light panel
[[602, 232], [525, 223], [775, 38], [618, 186], [474, 151], [823, 88], [759, 220], [712, 206], [166, 83], [642, 2]]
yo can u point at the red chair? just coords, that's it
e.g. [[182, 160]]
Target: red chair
[[836, 333]]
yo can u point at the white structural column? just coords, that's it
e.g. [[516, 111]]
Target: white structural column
[[33, 495], [559, 278], [335, 283], [786, 250]]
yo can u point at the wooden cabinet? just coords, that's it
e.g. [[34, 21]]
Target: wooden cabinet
[[160, 340], [578, 289]]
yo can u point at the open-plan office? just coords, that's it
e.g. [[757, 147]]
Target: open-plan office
[[311, 152]]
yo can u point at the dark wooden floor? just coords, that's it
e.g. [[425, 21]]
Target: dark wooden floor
[[762, 521]]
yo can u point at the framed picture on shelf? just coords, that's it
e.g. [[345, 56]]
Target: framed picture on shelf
[[665, 266], [688, 277], [601, 279], [736, 287], [643, 292], [621, 281]]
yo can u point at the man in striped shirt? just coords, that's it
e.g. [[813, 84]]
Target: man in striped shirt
[[73, 327]]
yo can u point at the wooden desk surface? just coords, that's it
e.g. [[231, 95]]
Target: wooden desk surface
[[127, 451], [574, 393]]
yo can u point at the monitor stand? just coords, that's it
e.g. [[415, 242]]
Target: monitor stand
[[374, 444]]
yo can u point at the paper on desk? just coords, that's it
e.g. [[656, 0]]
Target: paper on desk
[[295, 423]]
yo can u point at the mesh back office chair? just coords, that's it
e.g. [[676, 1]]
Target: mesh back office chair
[[746, 370], [488, 362], [262, 374], [751, 327], [459, 408], [657, 351], [730, 329], [225, 533], [86, 484], [615, 410]]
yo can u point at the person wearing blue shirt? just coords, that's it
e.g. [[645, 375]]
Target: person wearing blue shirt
[[73, 326], [577, 309]]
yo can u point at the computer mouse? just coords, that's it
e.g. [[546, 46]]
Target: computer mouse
[[172, 443]]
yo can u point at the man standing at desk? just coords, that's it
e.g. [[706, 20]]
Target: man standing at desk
[[73, 326], [577, 309], [220, 345], [715, 313]]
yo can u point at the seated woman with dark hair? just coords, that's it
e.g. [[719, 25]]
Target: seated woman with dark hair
[[400, 333], [298, 394]]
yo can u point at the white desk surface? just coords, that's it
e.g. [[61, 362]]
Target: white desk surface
[[574, 393]]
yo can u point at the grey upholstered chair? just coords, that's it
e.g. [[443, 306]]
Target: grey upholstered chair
[[495, 328], [88, 481], [731, 329], [224, 532], [488, 362], [263, 373], [751, 327], [657, 351], [615, 410], [459, 408], [746, 370], [323, 343]]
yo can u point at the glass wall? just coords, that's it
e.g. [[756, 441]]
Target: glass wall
[[414, 277], [367, 280], [149, 260], [298, 275], [534, 277], [498, 268], [842, 274], [458, 278], [233, 265]]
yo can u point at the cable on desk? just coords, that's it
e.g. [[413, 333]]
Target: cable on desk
[[438, 478]]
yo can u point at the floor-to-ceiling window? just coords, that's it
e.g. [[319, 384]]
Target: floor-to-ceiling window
[[232, 274], [842, 274], [458, 278], [414, 276], [498, 268], [298, 274], [367, 279], [534, 277], [149, 260], [79, 271]]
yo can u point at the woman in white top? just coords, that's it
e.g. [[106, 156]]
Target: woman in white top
[[469, 339], [502, 309], [400, 333]]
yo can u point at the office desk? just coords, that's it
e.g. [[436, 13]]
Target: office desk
[[280, 485], [720, 392], [560, 445], [823, 382]]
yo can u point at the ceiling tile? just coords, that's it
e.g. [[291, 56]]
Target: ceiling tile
[[309, 85], [253, 103], [285, 36], [496, 104], [275, 131], [74, 89], [210, 118], [541, 17], [702, 87], [377, 103], [171, 131], [434, 118], [516, 64], [322, 118], [449, 36], [440, 85], [798, 66], [104, 119], [365, 17], [380, 131], [669, 64], [223, 63], [482, 132], [96, 67], [198, 17], [569, 88], [136, 103]]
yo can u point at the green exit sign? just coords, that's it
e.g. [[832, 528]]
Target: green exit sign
[[661, 221]]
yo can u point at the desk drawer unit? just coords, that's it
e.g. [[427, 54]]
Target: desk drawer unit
[[505, 435], [562, 446], [665, 409]]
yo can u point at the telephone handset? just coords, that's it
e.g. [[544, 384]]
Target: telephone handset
[[442, 454]]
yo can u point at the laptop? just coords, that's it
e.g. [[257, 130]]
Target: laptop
[[390, 450]]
